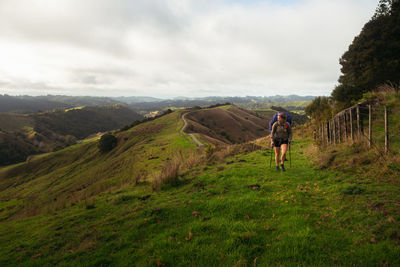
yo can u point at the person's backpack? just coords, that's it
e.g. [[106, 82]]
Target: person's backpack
[[275, 118]]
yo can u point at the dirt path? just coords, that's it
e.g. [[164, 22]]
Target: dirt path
[[196, 141]]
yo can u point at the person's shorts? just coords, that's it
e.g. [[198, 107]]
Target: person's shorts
[[278, 143]]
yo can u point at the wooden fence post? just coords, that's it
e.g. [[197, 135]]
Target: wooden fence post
[[330, 132], [345, 126], [340, 128], [322, 132], [351, 125], [334, 130], [386, 132], [327, 133], [369, 126], [358, 121]]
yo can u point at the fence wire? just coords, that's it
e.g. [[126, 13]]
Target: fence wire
[[339, 128]]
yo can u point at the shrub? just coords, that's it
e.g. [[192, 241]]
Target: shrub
[[168, 111], [107, 142]]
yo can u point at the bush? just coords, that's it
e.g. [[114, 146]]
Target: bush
[[107, 142], [168, 111]]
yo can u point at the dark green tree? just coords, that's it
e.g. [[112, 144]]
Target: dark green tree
[[384, 8], [373, 58], [320, 108], [107, 142]]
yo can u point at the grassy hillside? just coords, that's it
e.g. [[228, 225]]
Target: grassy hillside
[[22, 135], [72, 174], [80, 207], [227, 124], [293, 106], [81, 122]]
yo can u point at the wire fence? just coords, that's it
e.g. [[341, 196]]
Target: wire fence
[[378, 125]]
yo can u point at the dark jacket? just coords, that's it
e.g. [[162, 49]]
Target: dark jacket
[[281, 132]]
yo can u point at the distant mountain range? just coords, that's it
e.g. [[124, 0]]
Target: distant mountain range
[[136, 99], [246, 102], [27, 104]]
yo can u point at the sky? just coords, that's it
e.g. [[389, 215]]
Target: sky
[[171, 48]]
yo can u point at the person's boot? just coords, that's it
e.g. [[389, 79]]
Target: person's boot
[[277, 168], [283, 167]]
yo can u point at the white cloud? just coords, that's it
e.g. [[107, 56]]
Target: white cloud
[[176, 47]]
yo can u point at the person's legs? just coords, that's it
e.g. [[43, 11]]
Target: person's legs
[[277, 152], [284, 150]]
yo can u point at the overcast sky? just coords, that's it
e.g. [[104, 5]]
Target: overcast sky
[[169, 48]]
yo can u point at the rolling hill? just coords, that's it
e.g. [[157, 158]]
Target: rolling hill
[[227, 124], [291, 102], [81, 122], [29, 104], [22, 135], [215, 207], [73, 173], [223, 207]]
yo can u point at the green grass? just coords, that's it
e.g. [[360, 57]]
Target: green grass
[[63, 178], [303, 217], [78, 207], [266, 111], [291, 106]]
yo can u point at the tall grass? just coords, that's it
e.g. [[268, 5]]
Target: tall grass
[[170, 171], [169, 174]]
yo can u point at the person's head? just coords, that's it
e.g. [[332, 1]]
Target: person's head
[[281, 117]]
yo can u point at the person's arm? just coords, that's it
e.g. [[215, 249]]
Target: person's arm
[[273, 132]]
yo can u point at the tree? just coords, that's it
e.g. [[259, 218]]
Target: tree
[[373, 58], [384, 8], [319, 108], [107, 142]]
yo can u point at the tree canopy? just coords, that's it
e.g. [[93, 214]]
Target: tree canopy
[[319, 108], [373, 58], [107, 142]]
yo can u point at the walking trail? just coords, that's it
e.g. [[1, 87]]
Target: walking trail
[[196, 141]]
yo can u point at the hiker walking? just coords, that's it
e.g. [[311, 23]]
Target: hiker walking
[[281, 136]]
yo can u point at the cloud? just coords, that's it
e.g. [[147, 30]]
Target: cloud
[[176, 47]]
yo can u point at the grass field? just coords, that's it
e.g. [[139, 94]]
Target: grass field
[[265, 111], [68, 176], [291, 106], [237, 212]]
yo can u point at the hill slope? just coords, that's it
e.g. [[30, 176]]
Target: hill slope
[[24, 134], [81, 122], [79, 207], [227, 124], [72, 174], [28, 104]]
